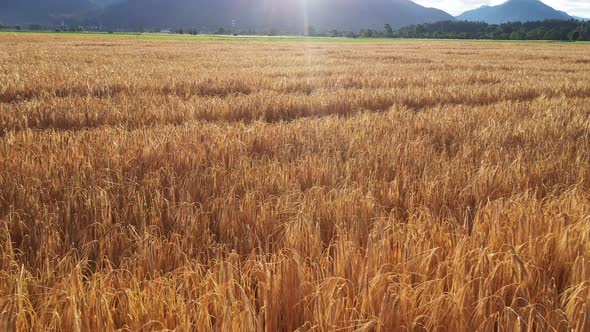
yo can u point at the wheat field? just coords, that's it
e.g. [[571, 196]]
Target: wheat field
[[293, 186]]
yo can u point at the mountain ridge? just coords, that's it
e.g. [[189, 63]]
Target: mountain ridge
[[50, 11], [514, 11], [287, 15], [290, 15]]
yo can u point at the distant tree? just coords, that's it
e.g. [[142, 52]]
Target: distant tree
[[574, 35], [351, 35], [388, 31], [419, 29], [36, 27], [180, 31], [367, 33], [535, 34], [518, 35], [507, 28], [552, 34], [335, 33], [18, 28], [221, 31], [311, 31]]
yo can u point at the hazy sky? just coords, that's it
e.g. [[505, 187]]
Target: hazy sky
[[572, 7]]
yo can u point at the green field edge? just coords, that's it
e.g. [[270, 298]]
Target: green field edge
[[176, 37]]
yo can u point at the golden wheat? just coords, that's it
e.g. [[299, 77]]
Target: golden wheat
[[194, 186]]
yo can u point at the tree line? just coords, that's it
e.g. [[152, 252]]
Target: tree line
[[541, 30], [571, 30]]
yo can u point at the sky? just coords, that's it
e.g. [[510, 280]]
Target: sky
[[456, 7]]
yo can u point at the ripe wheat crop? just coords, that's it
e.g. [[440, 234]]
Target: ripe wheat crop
[[260, 186]]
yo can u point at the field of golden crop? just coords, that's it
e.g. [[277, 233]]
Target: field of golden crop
[[282, 186]]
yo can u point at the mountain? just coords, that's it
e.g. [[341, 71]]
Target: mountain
[[39, 11], [514, 11], [285, 15], [49, 11]]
